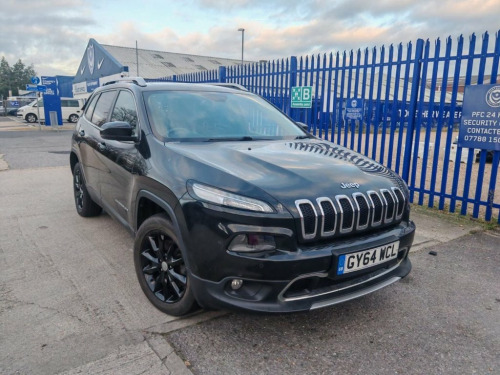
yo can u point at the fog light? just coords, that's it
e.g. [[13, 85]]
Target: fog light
[[252, 242], [236, 284]]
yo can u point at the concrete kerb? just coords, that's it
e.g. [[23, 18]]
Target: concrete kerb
[[435, 227]]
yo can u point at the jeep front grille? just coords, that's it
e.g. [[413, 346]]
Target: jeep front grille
[[347, 213]]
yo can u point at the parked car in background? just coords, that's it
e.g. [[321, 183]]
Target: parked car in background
[[233, 204], [70, 108]]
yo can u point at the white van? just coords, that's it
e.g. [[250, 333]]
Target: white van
[[70, 108]]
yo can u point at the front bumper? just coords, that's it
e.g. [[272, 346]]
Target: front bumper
[[311, 289]]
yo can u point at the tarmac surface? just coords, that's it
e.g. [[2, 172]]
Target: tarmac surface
[[70, 302]]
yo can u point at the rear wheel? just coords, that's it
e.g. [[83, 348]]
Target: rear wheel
[[73, 118], [161, 268], [85, 206], [31, 118]]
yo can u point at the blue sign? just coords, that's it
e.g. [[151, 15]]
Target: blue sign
[[92, 85], [39, 88], [354, 109], [51, 100], [14, 103], [51, 84], [35, 80], [52, 103], [480, 125]]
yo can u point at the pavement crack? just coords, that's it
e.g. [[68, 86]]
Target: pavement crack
[[26, 303]]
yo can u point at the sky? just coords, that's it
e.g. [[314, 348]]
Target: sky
[[53, 34]]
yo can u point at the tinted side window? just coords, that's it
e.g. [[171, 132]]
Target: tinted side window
[[69, 103], [125, 109], [90, 108], [103, 107]]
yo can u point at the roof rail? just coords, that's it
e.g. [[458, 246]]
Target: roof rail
[[139, 81], [230, 85]]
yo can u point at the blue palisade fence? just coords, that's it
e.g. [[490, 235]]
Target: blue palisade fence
[[412, 99]]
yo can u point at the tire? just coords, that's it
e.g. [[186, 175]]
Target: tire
[[31, 118], [84, 204], [73, 118], [161, 268]]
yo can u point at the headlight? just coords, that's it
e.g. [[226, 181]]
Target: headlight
[[224, 198]]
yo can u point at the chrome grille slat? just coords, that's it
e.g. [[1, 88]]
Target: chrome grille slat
[[378, 213], [326, 217], [301, 204], [363, 220], [400, 202], [346, 213], [390, 205]]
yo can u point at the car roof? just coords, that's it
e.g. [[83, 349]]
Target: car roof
[[141, 85]]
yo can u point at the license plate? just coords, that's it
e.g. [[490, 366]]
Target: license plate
[[367, 258]]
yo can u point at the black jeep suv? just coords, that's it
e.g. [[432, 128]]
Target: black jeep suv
[[232, 204]]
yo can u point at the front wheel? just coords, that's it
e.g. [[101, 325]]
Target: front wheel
[[31, 118], [161, 268], [73, 118]]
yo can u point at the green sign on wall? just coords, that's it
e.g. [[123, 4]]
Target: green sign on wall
[[302, 97]]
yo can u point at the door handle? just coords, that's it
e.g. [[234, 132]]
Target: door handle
[[82, 133], [102, 146]]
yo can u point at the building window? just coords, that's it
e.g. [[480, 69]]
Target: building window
[[201, 67], [157, 56], [188, 59], [215, 62]]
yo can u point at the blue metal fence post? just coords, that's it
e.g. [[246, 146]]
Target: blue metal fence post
[[413, 107], [293, 82], [222, 74]]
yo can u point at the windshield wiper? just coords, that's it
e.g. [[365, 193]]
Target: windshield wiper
[[229, 139]]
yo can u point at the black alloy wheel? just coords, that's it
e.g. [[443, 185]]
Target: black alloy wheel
[[161, 268], [73, 118], [85, 206]]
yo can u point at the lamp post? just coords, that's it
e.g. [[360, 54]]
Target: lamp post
[[242, 42]]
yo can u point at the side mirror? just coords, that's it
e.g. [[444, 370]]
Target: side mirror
[[118, 131]]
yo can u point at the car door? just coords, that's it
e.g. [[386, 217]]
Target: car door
[[120, 158], [88, 139]]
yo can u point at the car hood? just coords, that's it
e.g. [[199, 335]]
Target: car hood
[[290, 170]]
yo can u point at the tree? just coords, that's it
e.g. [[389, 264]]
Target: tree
[[4, 78], [14, 78]]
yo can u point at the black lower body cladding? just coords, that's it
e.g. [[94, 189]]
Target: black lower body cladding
[[301, 280]]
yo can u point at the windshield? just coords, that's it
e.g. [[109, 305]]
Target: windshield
[[216, 116]]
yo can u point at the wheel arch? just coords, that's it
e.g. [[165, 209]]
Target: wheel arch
[[73, 159], [149, 204]]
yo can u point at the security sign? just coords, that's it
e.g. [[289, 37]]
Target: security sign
[[301, 97], [354, 109], [480, 125]]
